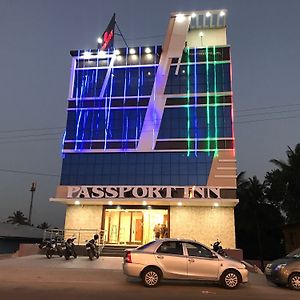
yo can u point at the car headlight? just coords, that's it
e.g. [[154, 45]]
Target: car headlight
[[279, 267]]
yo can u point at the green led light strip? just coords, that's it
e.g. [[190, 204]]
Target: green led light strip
[[207, 100], [188, 103], [216, 100]]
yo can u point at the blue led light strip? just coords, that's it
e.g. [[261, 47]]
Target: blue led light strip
[[107, 119], [188, 104], [207, 101], [124, 133], [216, 101], [138, 98], [195, 102], [78, 115]]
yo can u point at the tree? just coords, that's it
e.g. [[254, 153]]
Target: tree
[[258, 222], [43, 225], [288, 177], [18, 218]]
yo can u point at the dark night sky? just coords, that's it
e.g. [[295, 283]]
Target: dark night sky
[[36, 36]]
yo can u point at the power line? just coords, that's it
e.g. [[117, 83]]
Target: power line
[[29, 140], [26, 136], [31, 129], [269, 113], [262, 120], [10, 139], [28, 172], [267, 107]]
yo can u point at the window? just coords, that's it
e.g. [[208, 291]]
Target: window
[[198, 250], [170, 248]]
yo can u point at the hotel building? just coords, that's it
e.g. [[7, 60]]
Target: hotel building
[[149, 137]]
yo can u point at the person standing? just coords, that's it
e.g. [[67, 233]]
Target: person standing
[[157, 231]]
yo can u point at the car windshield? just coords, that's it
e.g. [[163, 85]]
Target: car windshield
[[294, 254]]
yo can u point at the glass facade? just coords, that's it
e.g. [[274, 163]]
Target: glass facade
[[136, 168], [107, 108]]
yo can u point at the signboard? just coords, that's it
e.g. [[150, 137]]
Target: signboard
[[109, 192]]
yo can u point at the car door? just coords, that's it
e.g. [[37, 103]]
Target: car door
[[169, 256], [202, 263]]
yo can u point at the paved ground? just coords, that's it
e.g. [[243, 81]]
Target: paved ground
[[36, 277]]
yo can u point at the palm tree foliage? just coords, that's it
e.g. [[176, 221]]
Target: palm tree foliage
[[43, 225], [265, 207], [258, 222], [18, 218], [284, 184]]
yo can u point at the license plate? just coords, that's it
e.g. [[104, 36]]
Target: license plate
[[88, 248]]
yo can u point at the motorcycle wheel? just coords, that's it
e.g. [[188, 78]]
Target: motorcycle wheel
[[49, 254], [91, 255], [75, 255], [67, 256], [97, 255]]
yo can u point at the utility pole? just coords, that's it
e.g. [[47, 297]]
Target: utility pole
[[32, 190]]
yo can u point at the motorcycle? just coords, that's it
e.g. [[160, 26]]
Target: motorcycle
[[92, 248], [52, 247], [218, 248], [69, 248]]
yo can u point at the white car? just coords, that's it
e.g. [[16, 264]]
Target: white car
[[182, 259]]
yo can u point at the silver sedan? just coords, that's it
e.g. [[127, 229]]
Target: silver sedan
[[182, 259]]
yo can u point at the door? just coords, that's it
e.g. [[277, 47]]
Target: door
[[170, 258], [201, 263], [138, 229]]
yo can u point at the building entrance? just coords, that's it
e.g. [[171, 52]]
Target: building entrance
[[134, 226]]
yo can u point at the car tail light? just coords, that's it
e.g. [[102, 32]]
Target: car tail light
[[127, 257]]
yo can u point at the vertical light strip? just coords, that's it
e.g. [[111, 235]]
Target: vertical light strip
[[154, 117], [82, 87], [107, 125], [232, 114], [216, 102], [124, 144], [195, 102], [92, 137], [188, 104], [63, 142], [138, 98], [86, 112], [207, 101]]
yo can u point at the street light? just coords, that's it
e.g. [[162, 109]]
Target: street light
[[32, 190]]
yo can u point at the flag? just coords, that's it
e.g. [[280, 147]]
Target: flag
[[108, 35]]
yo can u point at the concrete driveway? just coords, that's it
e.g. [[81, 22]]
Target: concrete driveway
[[36, 277]]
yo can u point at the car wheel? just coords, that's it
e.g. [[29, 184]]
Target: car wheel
[[230, 279], [151, 277], [294, 281]]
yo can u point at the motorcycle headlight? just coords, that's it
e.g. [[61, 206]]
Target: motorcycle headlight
[[279, 267]]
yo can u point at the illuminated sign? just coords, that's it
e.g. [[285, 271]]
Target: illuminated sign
[[109, 192]]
